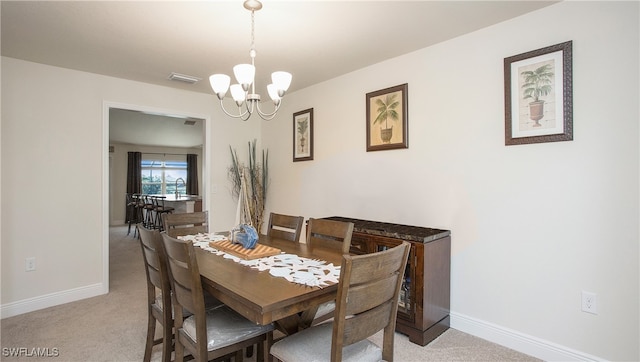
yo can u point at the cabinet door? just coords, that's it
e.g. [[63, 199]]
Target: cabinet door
[[359, 244], [407, 300]]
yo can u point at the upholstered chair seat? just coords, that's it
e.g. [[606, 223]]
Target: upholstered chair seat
[[225, 327], [314, 345]]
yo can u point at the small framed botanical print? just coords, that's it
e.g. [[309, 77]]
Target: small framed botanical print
[[387, 119], [303, 135]]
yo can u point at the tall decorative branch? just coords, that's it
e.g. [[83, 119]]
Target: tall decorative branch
[[256, 175]]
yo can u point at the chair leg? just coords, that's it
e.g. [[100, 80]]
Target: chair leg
[[158, 222], [167, 335], [167, 343], [260, 355], [139, 219], [179, 349], [151, 331], [150, 223], [263, 349]]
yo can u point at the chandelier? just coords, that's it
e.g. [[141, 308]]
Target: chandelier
[[244, 91]]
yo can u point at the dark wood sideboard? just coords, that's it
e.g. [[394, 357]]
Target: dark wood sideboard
[[423, 311]]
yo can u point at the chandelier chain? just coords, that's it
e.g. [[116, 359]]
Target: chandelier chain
[[253, 47]]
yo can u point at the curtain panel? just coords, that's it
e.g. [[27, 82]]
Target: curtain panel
[[192, 174], [134, 181]]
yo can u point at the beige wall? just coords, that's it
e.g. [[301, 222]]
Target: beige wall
[[55, 168], [532, 225]]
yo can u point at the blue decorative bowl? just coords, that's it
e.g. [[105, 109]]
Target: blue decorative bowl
[[247, 236]]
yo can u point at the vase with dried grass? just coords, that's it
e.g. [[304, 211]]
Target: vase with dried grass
[[252, 195]]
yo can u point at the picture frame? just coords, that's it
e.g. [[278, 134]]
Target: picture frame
[[539, 96], [303, 135], [385, 109]]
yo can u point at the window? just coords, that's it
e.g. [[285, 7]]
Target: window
[[159, 176]]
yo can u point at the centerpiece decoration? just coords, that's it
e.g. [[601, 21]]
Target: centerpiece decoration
[[250, 187], [245, 235]]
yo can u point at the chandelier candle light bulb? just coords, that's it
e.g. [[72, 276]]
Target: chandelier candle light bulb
[[244, 91]]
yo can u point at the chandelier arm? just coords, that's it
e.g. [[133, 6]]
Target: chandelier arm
[[240, 115], [268, 116], [250, 109]]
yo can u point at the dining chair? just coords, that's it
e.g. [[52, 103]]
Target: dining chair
[[208, 333], [285, 227], [180, 224], [367, 302], [159, 304], [331, 234]]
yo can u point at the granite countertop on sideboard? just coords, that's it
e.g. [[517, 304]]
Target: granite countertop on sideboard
[[406, 232]]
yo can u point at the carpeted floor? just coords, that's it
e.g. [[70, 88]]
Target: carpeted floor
[[112, 327]]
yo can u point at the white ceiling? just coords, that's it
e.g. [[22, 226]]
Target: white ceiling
[[133, 127], [314, 40]]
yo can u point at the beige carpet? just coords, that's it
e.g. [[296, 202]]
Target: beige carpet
[[112, 327]]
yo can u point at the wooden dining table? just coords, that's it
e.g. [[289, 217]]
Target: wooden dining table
[[261, 297]]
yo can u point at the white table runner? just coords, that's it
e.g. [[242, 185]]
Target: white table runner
[[296, 269]]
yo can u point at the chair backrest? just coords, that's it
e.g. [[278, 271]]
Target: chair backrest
[[155, 262], [138, 200], [186, 223], [130, 200], [187, 286], [148, 200], [158, 201], [330, 234], [285, 226], [131, 209], [371, 285]]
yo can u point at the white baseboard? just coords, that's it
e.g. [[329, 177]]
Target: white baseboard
[[517, 341], [50, 300]]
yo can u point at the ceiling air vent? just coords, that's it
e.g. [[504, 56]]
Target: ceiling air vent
[[189, 122], [183, 78]]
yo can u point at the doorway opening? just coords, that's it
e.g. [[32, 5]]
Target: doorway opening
[[159, 133]]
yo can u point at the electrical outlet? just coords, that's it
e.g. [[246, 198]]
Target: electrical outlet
[[589, 302], [30, 264]]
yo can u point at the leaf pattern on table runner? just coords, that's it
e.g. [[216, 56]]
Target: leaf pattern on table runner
[[296, 269]]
